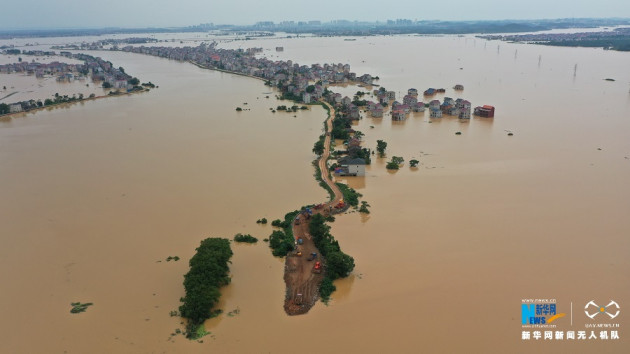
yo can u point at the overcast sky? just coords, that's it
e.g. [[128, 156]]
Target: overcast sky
[[19, 14]]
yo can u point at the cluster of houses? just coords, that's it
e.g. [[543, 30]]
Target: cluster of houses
[[104, 43], [39, 69], [99, 69], [459, 108], [286, 75]]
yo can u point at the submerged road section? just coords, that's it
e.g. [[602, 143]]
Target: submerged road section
[[301, 278]]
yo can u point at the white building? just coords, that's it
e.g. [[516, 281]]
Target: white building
[[15, 108]]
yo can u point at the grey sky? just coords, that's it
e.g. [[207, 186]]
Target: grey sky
[[143, 13]]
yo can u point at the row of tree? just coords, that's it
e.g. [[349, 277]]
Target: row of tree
[[208, 272], [282, 241], [338, 264]]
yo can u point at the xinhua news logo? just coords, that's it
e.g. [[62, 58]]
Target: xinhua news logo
[[539, 312]]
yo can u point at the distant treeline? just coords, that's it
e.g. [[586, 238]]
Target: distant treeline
[[621, 44]]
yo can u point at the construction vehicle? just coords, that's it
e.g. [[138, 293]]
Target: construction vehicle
[[317, 268], [312, 256]]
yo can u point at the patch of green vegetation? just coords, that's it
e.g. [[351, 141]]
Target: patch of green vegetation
[[381, 145], [238, 109], [364, 207], [208, 272], [78, 307], [247, 238], [318, 148], [261, 221], [170, 258], [394, 164], [281, 242], [199, 332], [326, 288], [350, 196], [340, 129], [318, 177], [413, 163], [338, 264], [330, 218]]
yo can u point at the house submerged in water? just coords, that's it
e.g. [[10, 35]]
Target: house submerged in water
[[351, 167]]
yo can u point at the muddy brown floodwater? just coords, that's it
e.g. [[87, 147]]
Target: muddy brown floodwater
[[93, 196]]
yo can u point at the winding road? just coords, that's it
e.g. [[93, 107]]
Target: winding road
[[302, 283]]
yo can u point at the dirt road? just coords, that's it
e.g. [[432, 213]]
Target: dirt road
[[302, 283]]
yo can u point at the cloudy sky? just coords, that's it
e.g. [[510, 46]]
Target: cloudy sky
[[20, 14]]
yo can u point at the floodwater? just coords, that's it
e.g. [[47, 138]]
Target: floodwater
[[96, 194]]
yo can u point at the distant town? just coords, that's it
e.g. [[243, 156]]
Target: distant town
[[343, 27]]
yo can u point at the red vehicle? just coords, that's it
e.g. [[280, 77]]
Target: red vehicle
[[317, 268]]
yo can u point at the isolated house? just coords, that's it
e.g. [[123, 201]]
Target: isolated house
[[352, 167]]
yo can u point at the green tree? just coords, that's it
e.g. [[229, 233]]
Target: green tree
[[381, 145], [107, 85], [48, 102], [133, 81], [4, 108], [318, 148], [395, 162], [413, 163]]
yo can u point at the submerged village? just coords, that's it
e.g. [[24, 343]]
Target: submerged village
[[97, 70], [310, 84]]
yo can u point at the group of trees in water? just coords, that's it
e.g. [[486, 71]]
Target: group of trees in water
[[208, 272], [282, 241], [338, 264]]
